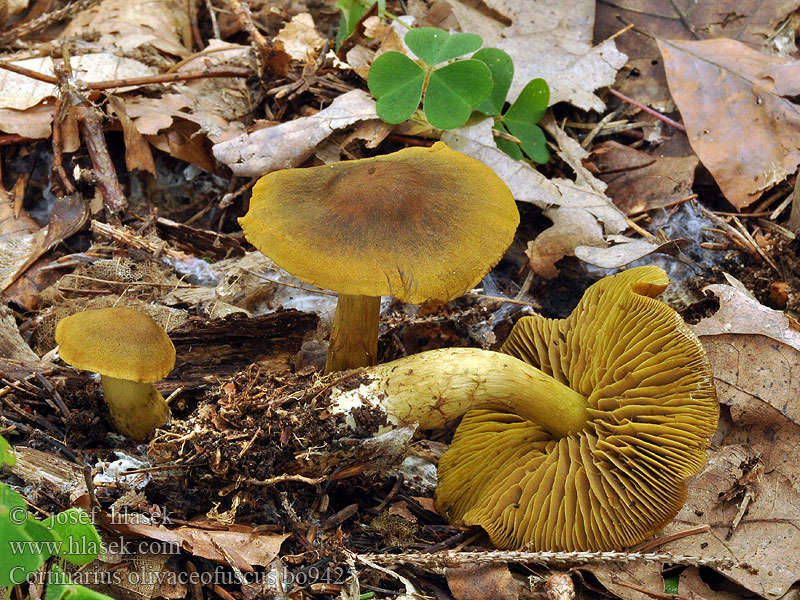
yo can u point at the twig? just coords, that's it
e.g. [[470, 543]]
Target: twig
[[671, 538], [599, 126], [455, 559], [647, 109], [91, 127], [45, 20], [642, 590], [755, 245], [242, 12], [134, 81], [122, 235]]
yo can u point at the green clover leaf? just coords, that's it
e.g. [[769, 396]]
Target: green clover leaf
[[24, 542], [520, 121], [502, 69], [453, 91], [396, 81], [506, 146], [80, 541], [434, 46], [7, 456]]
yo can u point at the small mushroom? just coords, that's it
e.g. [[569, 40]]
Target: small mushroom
[[421, 224], [129, 351], [580, 435]]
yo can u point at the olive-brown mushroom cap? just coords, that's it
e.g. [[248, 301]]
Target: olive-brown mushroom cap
[[421, 224], [116, 342], [653, 408]]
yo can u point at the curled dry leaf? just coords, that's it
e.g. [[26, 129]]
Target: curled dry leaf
[[482, 582], [580, 213], [553, 42], [738, 108], [624, 250], [289, 144], [638, 182], [300, 38], [755, 475], [749, 491], [160, 25], [27, 106]]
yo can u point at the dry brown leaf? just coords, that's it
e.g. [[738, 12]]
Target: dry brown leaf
[[756, 363], [581, 214], [549, 39], [749, 21], [137, 151], [239, 543], [144, 26], [740, 314], [738, 110], [300, 38], [638, 182], [289, 144], [753, 472], [482, 582], [27, 106], [623, 250], [208, 110]]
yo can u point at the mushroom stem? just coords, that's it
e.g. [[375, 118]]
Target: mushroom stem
[[135, 408], [434, 387], [354, 334]]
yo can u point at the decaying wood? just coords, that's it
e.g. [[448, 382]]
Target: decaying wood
[[209, 350]]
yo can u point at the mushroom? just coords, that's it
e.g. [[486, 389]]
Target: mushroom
[[420, 224], [579, 435], [129, 351]]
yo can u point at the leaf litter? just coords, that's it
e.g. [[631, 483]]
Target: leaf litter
[[260, 477]]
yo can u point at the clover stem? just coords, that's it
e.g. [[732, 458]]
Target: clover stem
[[354, 334], [434, 387]]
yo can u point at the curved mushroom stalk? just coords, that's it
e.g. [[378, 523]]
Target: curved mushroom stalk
[[437, 386], [135, 408]]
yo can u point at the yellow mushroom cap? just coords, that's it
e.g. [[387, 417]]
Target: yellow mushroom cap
[[420, 224], [116, 342], [653, 408]]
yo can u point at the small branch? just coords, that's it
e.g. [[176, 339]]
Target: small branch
[[134, 81], [647, 109], [242, 12], [455, 559]]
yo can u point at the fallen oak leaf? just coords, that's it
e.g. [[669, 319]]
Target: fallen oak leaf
[[238, 543], [736, 104], [289, 144]]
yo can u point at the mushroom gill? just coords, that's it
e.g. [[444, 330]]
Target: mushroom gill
[[652, 409]]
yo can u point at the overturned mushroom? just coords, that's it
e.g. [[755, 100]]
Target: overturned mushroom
[[580, 435], [421, 224], [129, 351]]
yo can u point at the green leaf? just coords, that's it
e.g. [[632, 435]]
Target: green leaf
[[60, 587], [453, 91], [7, 456], [352, 11], [509, 148], [502, 69], [531, 104], [671, 584], [534, 144], [434, 46], [80, 542], [396, 81], [24, 542]]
